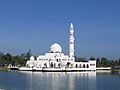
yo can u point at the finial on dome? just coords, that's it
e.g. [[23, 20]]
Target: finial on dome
[[71, 25]]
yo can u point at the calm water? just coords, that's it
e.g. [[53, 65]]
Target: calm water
[[15, 80]]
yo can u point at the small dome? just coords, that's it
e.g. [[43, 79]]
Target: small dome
[[55, 48], [32, 58]]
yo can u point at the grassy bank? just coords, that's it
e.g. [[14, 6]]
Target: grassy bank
[[3, 68], [115, 69]]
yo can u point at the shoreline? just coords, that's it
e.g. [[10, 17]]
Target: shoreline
[[115, 70], [4, 69]]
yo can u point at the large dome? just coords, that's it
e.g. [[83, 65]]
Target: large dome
[[55, 48]]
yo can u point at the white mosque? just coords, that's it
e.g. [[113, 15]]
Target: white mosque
[[55, 60]]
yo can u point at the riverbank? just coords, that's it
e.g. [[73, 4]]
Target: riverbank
[[116, 70], [3, 69], [6, 69], [1, 88]]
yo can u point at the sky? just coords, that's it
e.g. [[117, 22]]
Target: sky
[[37, 24]]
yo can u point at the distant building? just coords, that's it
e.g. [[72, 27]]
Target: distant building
[[56, 58]]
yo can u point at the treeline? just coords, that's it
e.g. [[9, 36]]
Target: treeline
[[20, 60], [17, 60], [102, 62]]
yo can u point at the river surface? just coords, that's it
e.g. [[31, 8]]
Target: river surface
[[17, 80]]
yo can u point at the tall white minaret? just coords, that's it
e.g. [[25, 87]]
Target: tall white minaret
[[71, 45]]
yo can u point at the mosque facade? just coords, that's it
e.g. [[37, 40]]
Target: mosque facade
[[56, 59]]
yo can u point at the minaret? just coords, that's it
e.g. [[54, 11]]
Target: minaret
[[71, 47]]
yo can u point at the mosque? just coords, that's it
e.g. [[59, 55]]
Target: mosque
[[56, 60]]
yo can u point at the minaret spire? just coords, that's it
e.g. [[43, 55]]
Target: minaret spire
[[71, 25], [71, 45]]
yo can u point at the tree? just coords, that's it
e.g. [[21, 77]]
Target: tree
[[28, 54], [1, 58], [80, 59], [104, 62], [98, 62], [8, 58], [119, 62], [92, 58]]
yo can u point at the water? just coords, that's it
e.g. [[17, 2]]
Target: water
[[15, 80]]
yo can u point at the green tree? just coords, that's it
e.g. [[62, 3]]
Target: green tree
[[103, 62], [98, 62], [28, 54], [8, 58], [92, 58], [1, 58], [80, 59], [118, 62]]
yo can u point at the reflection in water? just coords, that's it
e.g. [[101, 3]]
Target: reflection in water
[[48, 80], [82, 81], [61, 81]]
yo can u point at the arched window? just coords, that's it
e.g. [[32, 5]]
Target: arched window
[[45, 65], [59, 65], [80, 66], [83, 65], [54, 65], [51, 64], [76, 66], [87, 66]]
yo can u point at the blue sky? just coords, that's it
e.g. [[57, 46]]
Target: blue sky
[[37, 24]]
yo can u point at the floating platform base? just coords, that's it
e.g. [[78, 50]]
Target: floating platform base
[[56, 69]]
